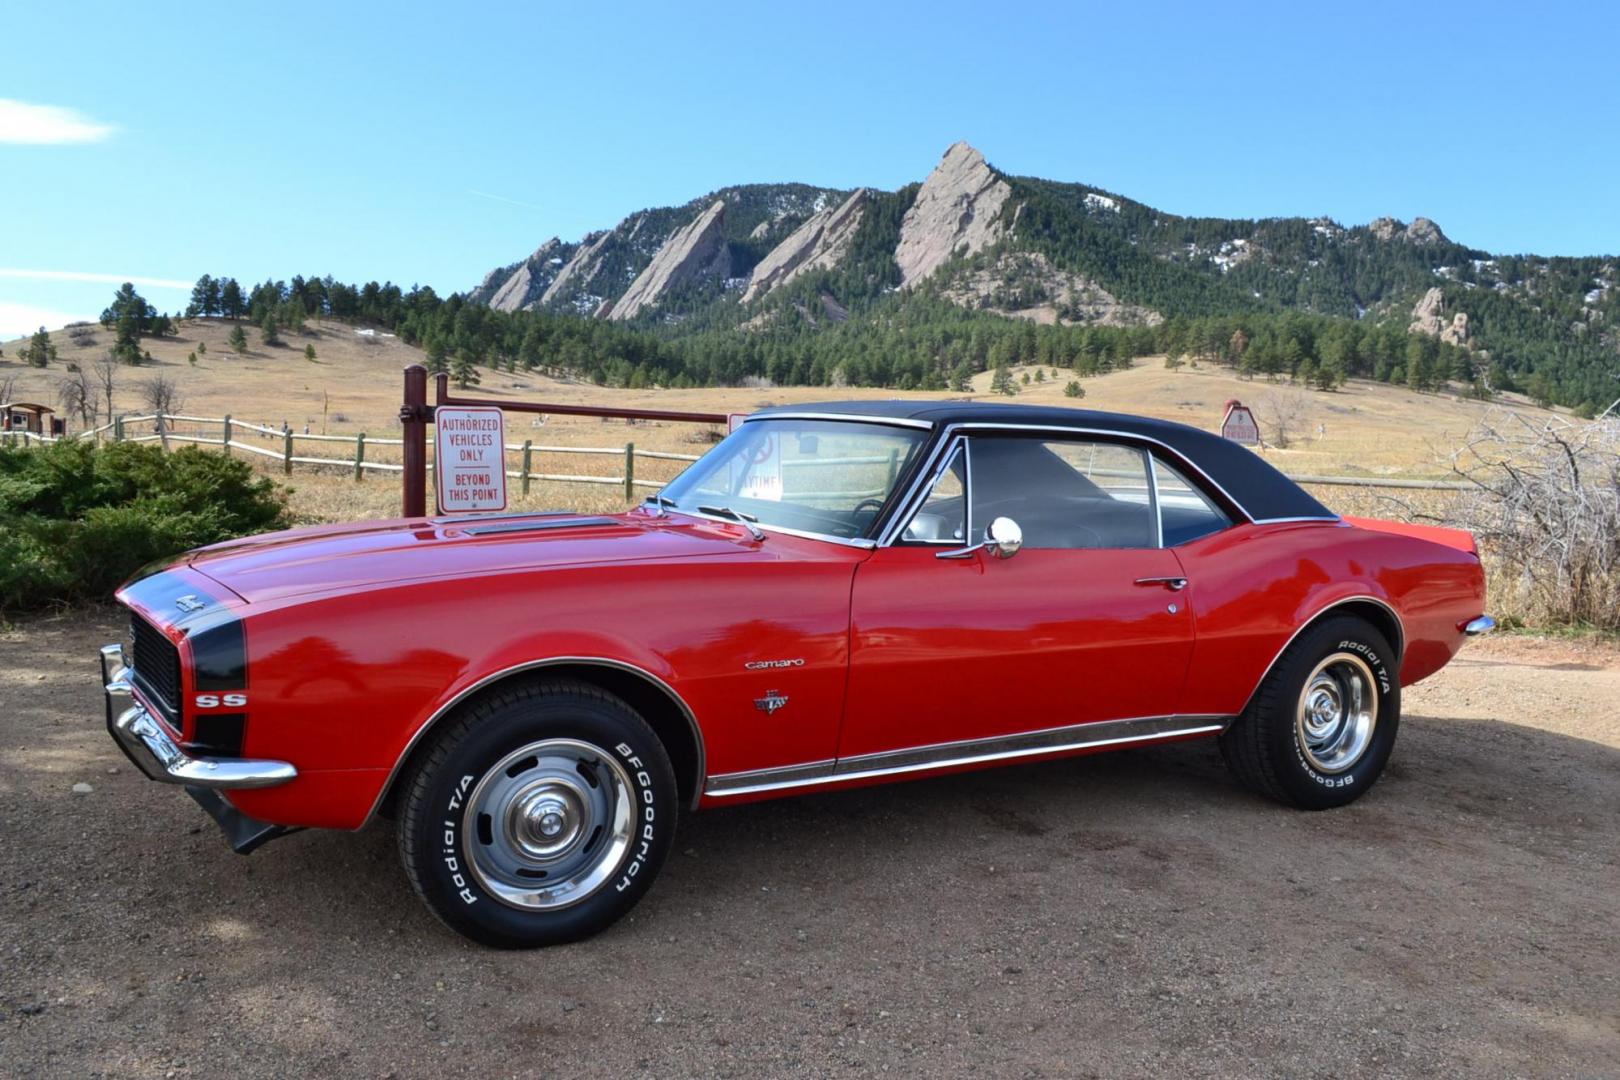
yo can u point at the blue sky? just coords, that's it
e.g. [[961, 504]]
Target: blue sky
[[429, 142]]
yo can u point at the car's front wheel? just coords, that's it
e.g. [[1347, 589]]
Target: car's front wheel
[[537, 816], [1322, 725]]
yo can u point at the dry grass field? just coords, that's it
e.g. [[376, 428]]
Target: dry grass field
[[353, 386]]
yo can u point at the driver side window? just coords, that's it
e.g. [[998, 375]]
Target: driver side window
[[1065, 494]]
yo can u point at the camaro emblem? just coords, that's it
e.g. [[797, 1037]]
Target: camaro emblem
[[189, 603], [770, 702], [765, 665]]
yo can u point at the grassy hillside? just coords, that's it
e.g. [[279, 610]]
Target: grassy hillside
[[354, 385]]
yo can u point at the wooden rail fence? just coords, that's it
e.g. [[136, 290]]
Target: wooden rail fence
[[133, 429], [125, 428]]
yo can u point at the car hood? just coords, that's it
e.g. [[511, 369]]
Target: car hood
[[333, 558]]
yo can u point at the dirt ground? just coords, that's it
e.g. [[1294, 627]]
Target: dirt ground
[[1118, 915]]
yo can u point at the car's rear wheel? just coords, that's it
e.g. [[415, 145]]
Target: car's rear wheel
[[1323, 723], [537, 816]]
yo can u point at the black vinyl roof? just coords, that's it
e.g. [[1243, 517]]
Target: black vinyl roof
[[1259, 489]]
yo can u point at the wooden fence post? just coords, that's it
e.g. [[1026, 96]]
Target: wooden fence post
[[528, 451], [286, 451], [413, 415], [118, 428], [225, 437], [359, 455], [630, 472]]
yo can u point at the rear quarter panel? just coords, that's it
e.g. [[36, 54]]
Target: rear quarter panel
[[1252, 587]]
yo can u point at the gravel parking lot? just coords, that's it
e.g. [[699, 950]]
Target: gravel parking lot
[[1115, 915]]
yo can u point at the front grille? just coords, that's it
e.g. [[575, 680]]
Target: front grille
[[157, 667]]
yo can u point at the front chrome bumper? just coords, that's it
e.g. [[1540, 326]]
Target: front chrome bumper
[[143, 740]]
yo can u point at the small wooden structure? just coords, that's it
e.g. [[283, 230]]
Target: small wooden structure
[[31, 417]]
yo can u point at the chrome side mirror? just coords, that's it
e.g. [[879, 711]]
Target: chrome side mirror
[[1003, 538]]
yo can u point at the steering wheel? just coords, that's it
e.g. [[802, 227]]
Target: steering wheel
[[875, 504]]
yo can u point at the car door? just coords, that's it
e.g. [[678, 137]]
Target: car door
[[1087, 623]]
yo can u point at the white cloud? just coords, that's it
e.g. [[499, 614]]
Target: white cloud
[[47, 125], [500, 198], [93, 278], [20, 320]]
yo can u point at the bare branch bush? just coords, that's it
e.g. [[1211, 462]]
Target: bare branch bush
[[1284, 415], [1545, 508], [162, 395], [105, 371], [76, 393]]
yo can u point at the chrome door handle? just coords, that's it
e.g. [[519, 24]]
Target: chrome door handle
[[1174, 584]]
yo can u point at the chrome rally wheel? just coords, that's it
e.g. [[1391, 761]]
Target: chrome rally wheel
[[549, 824], [1338, 712], [539, 814], [1322, 724]]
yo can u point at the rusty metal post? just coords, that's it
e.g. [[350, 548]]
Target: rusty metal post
[[413, 416]]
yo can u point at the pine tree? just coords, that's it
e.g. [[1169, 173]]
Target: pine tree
[[1074, 389], [231, 303], [127, 340], [438, 358], [463, 369], [39, 351], [1002, 381], [238, 340], [309, 353], [269, 329], [200, 297]]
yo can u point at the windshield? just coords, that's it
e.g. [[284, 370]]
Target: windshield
[[831, 477]]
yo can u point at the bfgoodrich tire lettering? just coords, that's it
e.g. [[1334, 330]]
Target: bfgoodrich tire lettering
[[538, 815], [1323, 723]]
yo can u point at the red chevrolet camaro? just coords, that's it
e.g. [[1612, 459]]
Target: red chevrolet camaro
[[835, 595]]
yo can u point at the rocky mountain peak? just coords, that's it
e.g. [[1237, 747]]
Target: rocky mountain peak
[[817, 244], [1429, 317], [697, 250], [526, 283], [958, 207], [1421, 231]]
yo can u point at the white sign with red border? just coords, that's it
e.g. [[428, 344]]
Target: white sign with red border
[[469, 459], [1239, 425]]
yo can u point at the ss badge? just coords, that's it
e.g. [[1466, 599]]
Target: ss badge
[[214, 701]]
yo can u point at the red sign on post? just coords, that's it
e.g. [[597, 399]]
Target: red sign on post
[[1238, 424], [469, 459]]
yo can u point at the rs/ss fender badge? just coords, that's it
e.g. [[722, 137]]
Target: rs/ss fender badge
[[770, 702], [214, 701]]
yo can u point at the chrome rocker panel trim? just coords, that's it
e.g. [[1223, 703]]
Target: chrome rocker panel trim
[[146, 744], [968, 752]]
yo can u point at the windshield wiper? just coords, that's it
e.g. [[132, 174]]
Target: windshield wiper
[[660, 503], [745, 520]]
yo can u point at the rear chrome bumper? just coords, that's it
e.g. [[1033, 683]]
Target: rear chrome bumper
[[143, 740], [1482, 625]]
